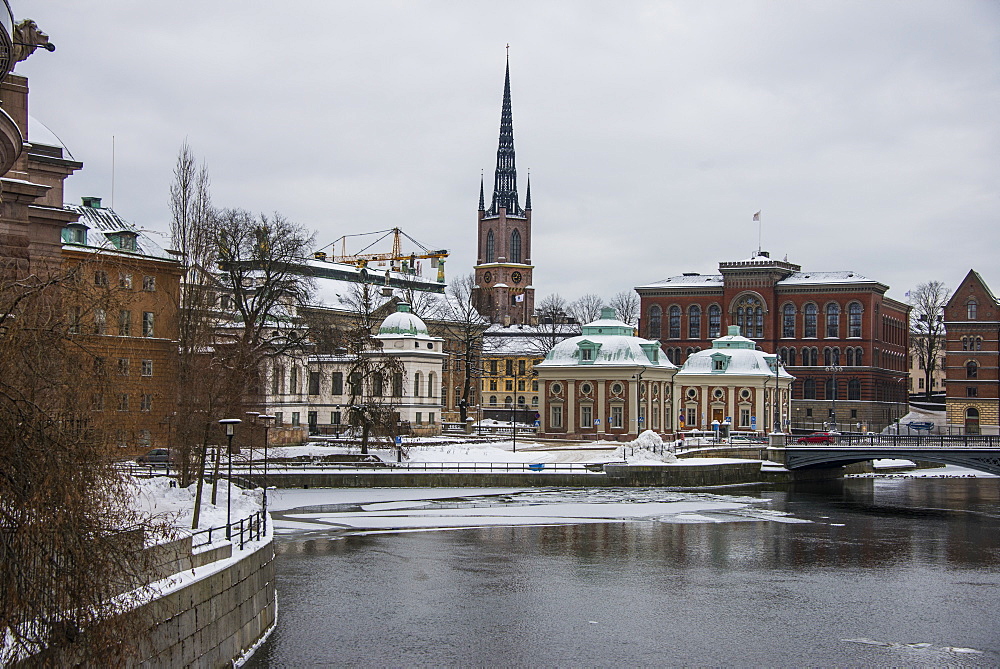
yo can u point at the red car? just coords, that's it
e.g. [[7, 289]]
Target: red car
[[817, 438]]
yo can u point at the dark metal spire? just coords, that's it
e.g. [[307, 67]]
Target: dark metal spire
[[527, 194], [505, 183], [482, 199]]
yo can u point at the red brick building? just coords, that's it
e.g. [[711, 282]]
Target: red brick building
[[972, 357], [836, 332]]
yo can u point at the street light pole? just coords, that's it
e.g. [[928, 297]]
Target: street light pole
[[834, 369], [230, 425], [267, 426], [252, 420]]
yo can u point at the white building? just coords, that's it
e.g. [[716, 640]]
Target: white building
[[735, 381]]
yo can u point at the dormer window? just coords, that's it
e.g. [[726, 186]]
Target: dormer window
[[124, 240], [74, 234], [588, 351], [720, 362], [587, 354]]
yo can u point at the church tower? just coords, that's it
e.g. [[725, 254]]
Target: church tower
[[504, 293]]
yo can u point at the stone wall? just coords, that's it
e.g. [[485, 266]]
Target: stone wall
[[216, 619]]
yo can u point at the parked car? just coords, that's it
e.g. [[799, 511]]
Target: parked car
[[818, 438], [157, 456]]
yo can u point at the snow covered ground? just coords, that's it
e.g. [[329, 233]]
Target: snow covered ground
[[164, 501]]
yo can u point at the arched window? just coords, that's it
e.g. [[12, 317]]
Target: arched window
[[859, 356], [783, 354], [714, 321], [854, 319], [694, 322], [810, 320], [972, 309], [653, 330], [979, 343], [508, 401], [674, 323], [965, 343], [788, 321], [809, 389], [854, 389], [431, 390], [515, 246], [416, 384], [827, 356], [836, 355], [850, 357], [831, 389], [490, 247], [790, 360], [750, 317], [971, 370], [833, 320], [493, 400]]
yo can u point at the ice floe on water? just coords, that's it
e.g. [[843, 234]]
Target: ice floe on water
[[334, 512]]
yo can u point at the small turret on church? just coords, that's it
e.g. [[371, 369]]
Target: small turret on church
[[504, 292]]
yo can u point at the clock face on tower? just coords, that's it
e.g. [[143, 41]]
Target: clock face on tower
[[516, 277], [487, 277]]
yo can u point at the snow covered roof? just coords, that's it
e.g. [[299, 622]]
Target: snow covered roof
[[687, 280], [606, 350], [403, 323], [732, 355], [805, 278], [39, 133], [105, 225]]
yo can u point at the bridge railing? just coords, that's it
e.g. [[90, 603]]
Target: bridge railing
[[922, 441]]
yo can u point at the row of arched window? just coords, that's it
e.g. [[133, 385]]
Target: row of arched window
[[508, 401], [889, 359], [748, 314], [515, 247], [832, 389], [972, 343], [418, 386], [677, 356], [854, 356]]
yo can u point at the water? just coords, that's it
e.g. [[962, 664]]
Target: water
[[887, 572]]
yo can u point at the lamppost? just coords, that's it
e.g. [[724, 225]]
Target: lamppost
[[776, 401], [230, 425], [252, 419], [513, 412], [266, 419], [834, 369]]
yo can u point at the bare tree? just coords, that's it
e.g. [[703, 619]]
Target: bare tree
[[554, 324], [626, 306], [586, 308], [463, 323], [927, 327]]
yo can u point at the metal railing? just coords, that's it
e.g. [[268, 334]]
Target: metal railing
[[919, 441], [250, 528], [299, 467]]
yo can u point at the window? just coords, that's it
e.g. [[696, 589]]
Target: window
[[810, 320], [515, 246], [520, 367], [719, 365], [965, 343], [508, 385], [714, 321], [809, 389], [149, 283], [295, 419], [293, 380], [744, 416], [534, 385], [147, 368], [431, 383], [979, 343], [314, 383], [123, 401], [920, 383], [146, 403], [854, 389], [831, 389], [100, 278], [430, 417], [833, 320], [556, 415], [354, 380], [100, 322], [971, 305], [420, 417], [854, 319], [859, 354], [493, 384], [147, 324], [674, 322], [334, 418], [788, 321], [125, 280], [490, 247], [277, 379], [750, 316], [279, 417], [493, 400], [521, 385], [617, 413], [587, 354], [971, 391], [493, 366], [692, 417], [586, 415], [338, 383], [123, 366], [653, 328], [397, 384], [971, 369], [74, 320], [854, 413], [809, 413], [125, 323], [694, 322]]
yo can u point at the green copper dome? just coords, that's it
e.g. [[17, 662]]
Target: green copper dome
[[403, 322]]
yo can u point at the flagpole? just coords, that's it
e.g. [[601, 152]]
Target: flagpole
[[760, 226]]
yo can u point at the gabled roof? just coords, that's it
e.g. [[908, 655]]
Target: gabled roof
[[102, 222]]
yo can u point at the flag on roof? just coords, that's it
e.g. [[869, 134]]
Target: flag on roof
[[756, 217]]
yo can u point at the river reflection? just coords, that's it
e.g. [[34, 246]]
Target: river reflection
[[886, 572]]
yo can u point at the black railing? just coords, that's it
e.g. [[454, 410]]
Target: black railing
[[916, 441], [250, 528]]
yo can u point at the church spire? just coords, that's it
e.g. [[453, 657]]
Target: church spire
[[482, 199], [527, 194], [505, 182]]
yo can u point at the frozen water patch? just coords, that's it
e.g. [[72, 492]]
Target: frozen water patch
[[410, 512], [921, 646]]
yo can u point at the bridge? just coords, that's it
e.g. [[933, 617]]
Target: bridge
[[981, 453]]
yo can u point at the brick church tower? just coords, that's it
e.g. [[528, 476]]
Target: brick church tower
[[503, 292]]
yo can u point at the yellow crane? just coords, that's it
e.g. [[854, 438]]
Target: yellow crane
[[408, 261]]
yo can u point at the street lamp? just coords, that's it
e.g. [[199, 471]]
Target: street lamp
[[266, 419], [252, 419], [230, 425], [834, 369]]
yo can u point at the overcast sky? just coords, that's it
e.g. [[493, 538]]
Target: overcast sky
[[867, 133]]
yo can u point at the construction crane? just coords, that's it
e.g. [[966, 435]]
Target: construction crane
[[408, 261]]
